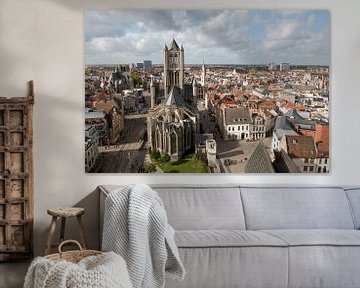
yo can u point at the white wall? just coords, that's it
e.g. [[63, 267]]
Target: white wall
[[42, 40]]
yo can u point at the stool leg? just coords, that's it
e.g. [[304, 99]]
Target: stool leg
[[82, 232], [62, 231], [51, 235]]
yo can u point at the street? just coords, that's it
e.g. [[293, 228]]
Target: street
[[128, 155]]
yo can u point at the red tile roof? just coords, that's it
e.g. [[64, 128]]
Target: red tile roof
[[301, 146]]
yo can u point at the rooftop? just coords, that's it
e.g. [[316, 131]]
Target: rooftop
[[301, 147], [240, 115], [94, 114], [174, 98], [260, 161]]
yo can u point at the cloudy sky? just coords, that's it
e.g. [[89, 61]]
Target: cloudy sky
[[215, 36]]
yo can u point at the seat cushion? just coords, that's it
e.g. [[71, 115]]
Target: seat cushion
[[322, 258], [225, 238], [217, 267], [317, 237]]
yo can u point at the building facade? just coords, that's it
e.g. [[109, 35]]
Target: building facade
[[92, 144], [172, 124]]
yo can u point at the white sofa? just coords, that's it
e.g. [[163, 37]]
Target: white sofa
[[235, 236]]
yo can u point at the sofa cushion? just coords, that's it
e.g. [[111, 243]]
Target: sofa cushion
[[317, 237], [324, 266], [322, 258], [226, 238], [296, 208], [203, 208], [191, 207], [220, 267]]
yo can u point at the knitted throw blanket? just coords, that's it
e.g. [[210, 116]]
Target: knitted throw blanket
[[102, 271], [136, 227]]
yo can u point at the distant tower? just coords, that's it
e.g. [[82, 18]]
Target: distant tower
[[203, 74], [203, 85], [152, 92], [173, 67]]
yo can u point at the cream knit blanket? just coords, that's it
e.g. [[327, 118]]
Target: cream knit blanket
[[136, 227], [102, 271]]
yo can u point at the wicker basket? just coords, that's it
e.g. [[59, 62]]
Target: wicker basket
[[72, 256]]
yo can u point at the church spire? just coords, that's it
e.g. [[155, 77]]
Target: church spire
[[174, 45], [203, 74]]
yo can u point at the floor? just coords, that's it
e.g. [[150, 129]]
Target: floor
[[12, 274]]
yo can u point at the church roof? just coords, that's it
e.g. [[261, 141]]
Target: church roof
[[174, 45], [174, 98], [260, 161]]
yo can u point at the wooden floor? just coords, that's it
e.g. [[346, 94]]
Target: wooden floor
[[12, 274]]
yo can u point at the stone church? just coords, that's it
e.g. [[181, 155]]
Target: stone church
[[173, 124]]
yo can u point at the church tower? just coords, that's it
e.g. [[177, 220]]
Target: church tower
[[173, 67]]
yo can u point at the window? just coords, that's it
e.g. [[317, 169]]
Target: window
[[229, 128], [312, 161], [319, 169], [306, 160], [324, 170], [325, 161], [238, 128], [233, 128], [311, 168], [320, 160], [305, 168]]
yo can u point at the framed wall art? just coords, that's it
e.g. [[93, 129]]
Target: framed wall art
[[207, 91]]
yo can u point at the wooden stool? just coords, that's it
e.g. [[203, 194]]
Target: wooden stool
[[64, 213]]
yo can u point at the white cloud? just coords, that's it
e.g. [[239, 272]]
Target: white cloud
[[218, 36], [283, 31]]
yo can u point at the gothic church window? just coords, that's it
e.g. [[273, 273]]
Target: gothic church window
[[173, 143]]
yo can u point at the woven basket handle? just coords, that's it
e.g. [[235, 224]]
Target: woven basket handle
[[69, 241]]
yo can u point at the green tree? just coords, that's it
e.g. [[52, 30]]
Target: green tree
[[150, 167], [136, 78]]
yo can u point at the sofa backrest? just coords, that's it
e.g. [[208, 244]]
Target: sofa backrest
[[354, 198], [296, 208], [203, 208]]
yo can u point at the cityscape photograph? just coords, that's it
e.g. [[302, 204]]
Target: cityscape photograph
[[207, 91]]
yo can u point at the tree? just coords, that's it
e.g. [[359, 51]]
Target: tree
[[150, 167], [136, 78]]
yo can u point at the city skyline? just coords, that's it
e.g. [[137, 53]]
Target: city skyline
[[299, 37]]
